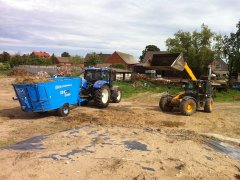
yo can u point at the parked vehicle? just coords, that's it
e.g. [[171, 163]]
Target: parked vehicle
[[98, 86], [62, 92], [57, 95], [197, 93]]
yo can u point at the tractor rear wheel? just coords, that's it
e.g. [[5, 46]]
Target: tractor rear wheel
[[164, 105], [188, 107], [64, 110], [117, 98], [208, 105], [102, 96]]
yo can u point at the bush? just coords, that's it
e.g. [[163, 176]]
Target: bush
[[4, 66]]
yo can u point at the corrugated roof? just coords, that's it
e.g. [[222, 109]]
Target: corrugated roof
[[129, 59]]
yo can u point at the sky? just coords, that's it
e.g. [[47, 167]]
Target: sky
[[80, 26]]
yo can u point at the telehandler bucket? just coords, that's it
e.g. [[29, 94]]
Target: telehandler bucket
[[169, 61]]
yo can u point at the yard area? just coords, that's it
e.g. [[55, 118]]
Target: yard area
[[129, 140]]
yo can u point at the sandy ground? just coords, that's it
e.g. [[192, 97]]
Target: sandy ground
[[129, 140]]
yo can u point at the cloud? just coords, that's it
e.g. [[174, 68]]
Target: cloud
[[81, 26]]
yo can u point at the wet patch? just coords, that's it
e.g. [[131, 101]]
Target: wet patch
[[135, 145], [68, 155], [224, 148], [33, 143]]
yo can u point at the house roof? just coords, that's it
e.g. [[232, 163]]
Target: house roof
[[63, 59], [41, 54], [129, 59]]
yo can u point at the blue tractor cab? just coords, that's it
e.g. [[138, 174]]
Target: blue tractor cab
[[97, 85]]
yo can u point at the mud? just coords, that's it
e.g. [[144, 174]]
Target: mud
[[33, 143]]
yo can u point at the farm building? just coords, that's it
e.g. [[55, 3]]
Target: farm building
[[219, 67], [119, 57], [63, 61]]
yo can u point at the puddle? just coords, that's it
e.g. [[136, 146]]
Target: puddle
[[224, 148], [72, 153], [135, 145], [33, 143]]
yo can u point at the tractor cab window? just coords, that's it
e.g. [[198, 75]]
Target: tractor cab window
[[92, 75], [105, 76], [95, 75]]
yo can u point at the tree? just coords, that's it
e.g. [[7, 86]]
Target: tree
[[5, 57], [232, 51], [17, 60], [65, 54], [148, 48], [77, 60], [93, 59], [199, 48]]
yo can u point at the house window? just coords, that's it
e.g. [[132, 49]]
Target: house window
[[218, 66]]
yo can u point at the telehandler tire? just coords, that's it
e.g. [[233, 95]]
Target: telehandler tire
[[208, 105], [163, 104], [102, 96], [188, 107]]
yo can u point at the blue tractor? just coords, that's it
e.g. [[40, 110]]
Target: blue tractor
[[97, 85]]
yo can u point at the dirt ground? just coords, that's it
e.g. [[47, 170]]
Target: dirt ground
[[129, 140]]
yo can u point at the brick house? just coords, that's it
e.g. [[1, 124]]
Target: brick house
[[63, 61], [41, 54], [219, 67], [119, 57]]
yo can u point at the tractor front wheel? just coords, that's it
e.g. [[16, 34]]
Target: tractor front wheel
[[102, 96], [164, 104], [208, 105], [117, 99], [188, 107]]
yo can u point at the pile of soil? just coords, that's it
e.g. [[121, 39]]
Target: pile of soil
[[31, 80], [25, 77]]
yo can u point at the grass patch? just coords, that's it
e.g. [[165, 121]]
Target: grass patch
[[231, 95], [128, 89], [4, 73]]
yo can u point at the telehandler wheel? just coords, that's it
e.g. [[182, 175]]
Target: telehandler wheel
[[64, 110], [102, 96], [188, 107], [163, 104], [208, 105], [118, 98]]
